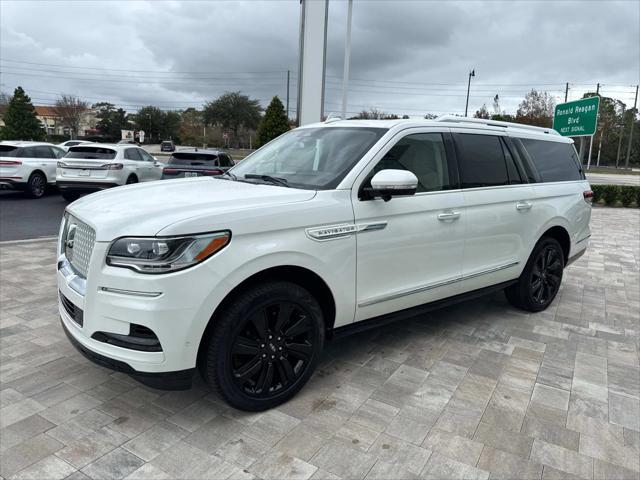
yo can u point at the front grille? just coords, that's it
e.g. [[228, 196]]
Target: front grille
[[76, 313], [78, 240]]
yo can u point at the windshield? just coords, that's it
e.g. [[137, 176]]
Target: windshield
[[311, 158], [192, 158], [91, 153]]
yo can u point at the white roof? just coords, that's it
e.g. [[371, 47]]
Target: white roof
[[111, 146], [22, 143]]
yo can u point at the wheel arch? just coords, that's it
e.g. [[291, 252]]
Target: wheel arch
[[302, 276], [560, 234]]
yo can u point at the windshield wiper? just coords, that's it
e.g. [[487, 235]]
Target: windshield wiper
[[268, 178], [232, 176]]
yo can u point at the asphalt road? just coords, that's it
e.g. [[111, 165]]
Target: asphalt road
[[613, 179], [22, 217]]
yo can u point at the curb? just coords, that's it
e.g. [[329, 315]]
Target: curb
[[27, 241]]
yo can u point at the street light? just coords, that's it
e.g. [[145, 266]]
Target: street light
[[472, 73]]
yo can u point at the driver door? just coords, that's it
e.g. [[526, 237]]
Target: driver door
[[410, 249]]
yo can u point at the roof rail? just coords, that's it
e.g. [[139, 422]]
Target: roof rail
[[495, 123]]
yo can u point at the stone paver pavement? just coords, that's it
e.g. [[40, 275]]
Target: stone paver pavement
[[478, 390]]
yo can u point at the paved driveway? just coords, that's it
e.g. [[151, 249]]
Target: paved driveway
[[470, 391], [613, 179]]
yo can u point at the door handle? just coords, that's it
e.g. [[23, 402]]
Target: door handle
[[524, 206], [448, 215]]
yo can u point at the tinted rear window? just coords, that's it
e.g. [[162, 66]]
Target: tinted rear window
[[555, 162], [481, 159], [99, 153], [192, 158], [8, 151]]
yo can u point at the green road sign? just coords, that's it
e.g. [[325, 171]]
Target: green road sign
[[578, 118]]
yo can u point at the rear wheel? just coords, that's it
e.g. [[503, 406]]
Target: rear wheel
[[36, 185], [265, 345], [540, 280], [132, 179]]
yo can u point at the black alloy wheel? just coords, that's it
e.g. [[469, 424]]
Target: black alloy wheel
[[264, 345], [540, 280], [546, 274], [37, 185], [131, 179], [273, 349]]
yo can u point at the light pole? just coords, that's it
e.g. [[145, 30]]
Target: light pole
[[472, 73]]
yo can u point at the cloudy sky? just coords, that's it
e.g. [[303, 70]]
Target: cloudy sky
[[408, 57]]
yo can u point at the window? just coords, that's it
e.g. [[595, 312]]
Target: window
[[424, 155], [481, 160], [512, 170], [132, 154], [28, 152], [145, 155], [58, 152], [8, 151], [193, 158], [97, 153], [555, 161], [225, 161]]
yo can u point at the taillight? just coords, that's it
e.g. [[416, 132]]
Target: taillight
[[213, 172], [588, 196], [169, 170], [10, 163], [113, 166]]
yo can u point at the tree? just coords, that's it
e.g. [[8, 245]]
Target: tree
[[170, 127], [20, 120], [482, 113], [430, 116], [5, 98], [375, 114], [537, 108], [150, 119], [111, 120], [233, 111], [274, 123], [71, 110], [496, 105]]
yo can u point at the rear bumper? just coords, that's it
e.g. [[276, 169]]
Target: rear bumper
[[180, 380], [84, 186], [12, 183]]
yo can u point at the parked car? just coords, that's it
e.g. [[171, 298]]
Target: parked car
[[97, 166], [194, 162], [329, 228], [167, 146], [29, 166], [72, 143]]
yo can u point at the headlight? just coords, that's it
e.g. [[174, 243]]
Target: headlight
[[165, 254]]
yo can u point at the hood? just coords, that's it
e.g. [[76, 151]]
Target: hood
[[145, 209]]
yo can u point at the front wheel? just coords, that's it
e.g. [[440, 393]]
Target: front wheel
[[540, 280], [264, 345]]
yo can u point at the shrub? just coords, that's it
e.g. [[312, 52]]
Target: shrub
[[610, 194], [628, 195], [637, 197], [597, 192]]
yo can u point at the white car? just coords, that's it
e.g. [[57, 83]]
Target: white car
[[72, 143], [96, 166], [28, 166], [329, 228]]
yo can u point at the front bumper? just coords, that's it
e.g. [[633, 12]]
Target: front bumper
[[180, 380]]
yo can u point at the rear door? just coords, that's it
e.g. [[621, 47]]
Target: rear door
[[142, 168], [498, 202], [155, 168], [45, 160]]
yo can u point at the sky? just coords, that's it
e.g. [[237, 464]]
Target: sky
[[408, 57]]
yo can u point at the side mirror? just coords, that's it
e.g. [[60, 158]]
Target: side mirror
[[392, 183]]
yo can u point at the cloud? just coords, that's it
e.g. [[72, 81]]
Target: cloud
[[407, 56]]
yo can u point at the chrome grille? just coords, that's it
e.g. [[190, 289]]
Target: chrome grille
[[78, 240]]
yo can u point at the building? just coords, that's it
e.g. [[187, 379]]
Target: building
[[53, 126]]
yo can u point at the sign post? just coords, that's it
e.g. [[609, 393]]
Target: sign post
[[577, 119]]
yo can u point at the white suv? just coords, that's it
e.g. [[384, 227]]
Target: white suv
[[96, 166], [29, 166], [328, 228]]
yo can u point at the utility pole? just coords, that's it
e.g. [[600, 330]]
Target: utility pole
[[633, 121], [347, 61], [566, 92], [288, 74], [472, 73], [620, 139], [591, 141]]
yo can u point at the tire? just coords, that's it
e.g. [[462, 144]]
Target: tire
[[264, 345], [131, 179], [36, 185], [70, 196], [541, 278]]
